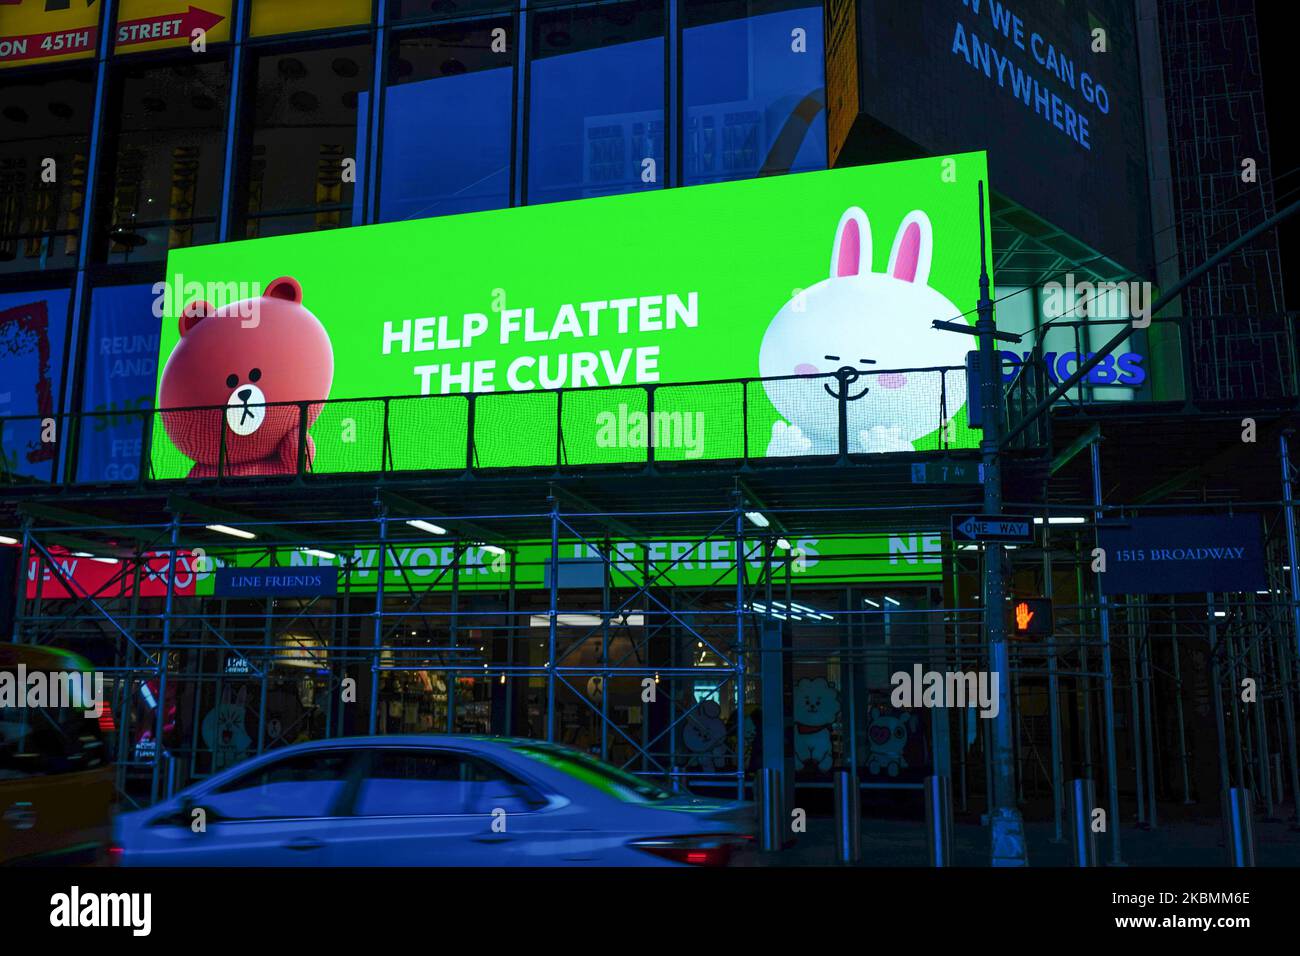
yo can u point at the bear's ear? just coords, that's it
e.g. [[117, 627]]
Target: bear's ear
[[194, 313], [851, 253], [909, 260], [287, 288]]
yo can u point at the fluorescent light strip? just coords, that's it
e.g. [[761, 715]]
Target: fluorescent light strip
[[318, 553], [233, 532], [758, 518], [428, 526]]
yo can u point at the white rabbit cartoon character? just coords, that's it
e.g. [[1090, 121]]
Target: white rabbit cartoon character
[[856, 320]]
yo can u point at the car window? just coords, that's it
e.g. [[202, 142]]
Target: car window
[[595, 773], [304, 785], [427, 781], [48, 740]]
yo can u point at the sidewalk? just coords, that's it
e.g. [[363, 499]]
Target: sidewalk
[[901, 842]]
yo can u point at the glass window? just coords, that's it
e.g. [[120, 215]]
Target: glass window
[[304, 785], [596, 101], [120, 373], [47, 740], [308, 140], [426, 781], [44, 142], [447, 136], [293, 16], [753, 83], [164, 187], [441, 9], [33, 330]]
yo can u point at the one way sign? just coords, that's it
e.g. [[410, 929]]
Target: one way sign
[[1008, 529]]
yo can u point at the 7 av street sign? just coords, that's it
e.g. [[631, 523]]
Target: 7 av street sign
[[1006, 529]]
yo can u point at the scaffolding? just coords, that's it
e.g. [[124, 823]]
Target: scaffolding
[[626, 615]]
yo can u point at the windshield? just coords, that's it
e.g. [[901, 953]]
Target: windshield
[[596, 773]]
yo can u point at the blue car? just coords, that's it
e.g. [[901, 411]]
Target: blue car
[[431, 801]]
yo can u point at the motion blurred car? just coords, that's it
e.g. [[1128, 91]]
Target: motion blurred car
[[431, 801], [56, 780]]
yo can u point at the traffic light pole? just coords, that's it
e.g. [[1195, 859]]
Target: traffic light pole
[[1005, 823]]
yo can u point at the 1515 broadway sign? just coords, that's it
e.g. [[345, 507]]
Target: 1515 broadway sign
[[795, 276], [1182, 555]]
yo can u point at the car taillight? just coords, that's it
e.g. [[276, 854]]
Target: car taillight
[[707, 849]]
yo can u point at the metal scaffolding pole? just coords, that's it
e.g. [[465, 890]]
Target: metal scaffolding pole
[[1107, 681], [738, 654], [1290, 655], [552, 621], [1261, 725], [1005, 823], [1178, 702], [376, 653], [160, 717], [1149, 726], [1053, 685]]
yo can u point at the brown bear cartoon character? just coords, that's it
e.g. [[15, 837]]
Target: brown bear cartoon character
[[228, 372]]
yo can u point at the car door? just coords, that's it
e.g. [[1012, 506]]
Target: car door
[[428, 806], [280, 813]]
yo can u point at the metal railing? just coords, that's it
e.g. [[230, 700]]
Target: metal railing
[[841, 414]]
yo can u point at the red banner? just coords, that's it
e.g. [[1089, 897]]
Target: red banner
[[98, 578]]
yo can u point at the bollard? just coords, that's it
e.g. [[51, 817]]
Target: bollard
[[848, 819], [938, 820], [1083, 841], [1241, 828], [770, 832]]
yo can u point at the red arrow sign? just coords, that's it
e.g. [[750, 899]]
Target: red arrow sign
[[166, 26]]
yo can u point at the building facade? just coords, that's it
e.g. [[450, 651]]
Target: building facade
[[660, 615]]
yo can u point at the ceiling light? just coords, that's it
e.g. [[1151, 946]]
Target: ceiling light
[[427, 526], [758, 518], [233, 532]]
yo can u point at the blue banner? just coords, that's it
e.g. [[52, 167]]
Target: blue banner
[[121, 372], [1188, 554], [275, 582], [33, 327]]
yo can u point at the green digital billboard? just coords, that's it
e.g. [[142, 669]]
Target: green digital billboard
[[580, 327], [667, 562]]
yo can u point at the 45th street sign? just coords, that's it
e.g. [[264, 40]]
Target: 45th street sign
[[1005, 529]]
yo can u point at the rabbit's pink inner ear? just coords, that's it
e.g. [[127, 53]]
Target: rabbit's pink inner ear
[[850, 249], [909, 253]]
